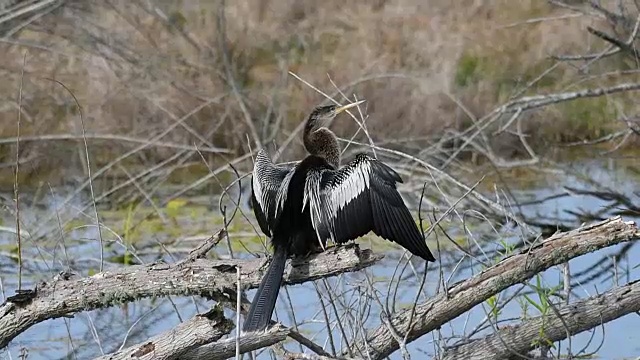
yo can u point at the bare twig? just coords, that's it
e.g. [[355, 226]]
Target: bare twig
[[88, 163], [16, 193], [628, 48], [110, 138], [537, 101], [201, 251]]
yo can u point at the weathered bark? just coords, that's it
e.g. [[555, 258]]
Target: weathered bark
[[518, 268], [212, 279], [199, 330], [248, 342], [302, 356], [570, 319], [194, 338]]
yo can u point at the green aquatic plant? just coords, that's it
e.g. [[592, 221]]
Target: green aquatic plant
[[544, 306]]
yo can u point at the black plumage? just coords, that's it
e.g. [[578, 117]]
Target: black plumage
[[302, 206]]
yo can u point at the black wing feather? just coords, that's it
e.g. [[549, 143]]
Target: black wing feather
[[259, 213], [354, 209], [266, 182], [397, 221]]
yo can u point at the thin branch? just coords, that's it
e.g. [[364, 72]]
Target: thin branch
[[110, 138], [16, 193], [201, 251], [628, 48], [532, 102], [88, 163]]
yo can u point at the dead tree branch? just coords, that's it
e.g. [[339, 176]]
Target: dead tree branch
[[628, 48], [573, 318], [200, 330], [194, 340], [248, 342], [537, 101], [302, 356], [515, 269], [211, 279]]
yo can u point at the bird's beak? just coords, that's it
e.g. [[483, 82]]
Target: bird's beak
[[349, 106]]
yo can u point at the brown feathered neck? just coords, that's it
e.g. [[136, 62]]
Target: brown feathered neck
[[320, 141]]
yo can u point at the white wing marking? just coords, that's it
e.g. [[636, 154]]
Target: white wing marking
[[312, 195], [345, 190], [268, 186], [325, 202]]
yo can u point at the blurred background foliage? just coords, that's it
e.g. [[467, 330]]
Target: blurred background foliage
[[428, 70]]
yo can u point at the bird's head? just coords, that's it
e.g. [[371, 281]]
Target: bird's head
[[321, 115]]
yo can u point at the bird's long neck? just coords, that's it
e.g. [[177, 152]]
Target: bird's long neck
[[322, 142]]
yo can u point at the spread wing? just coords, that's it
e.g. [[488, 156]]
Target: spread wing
[[362, 197], [269, 190]]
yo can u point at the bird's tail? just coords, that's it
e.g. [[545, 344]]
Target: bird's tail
[[264, 302]]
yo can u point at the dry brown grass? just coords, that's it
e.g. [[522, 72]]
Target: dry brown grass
[[134, 72]]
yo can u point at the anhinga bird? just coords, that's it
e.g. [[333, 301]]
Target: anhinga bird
[[301, 206]]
